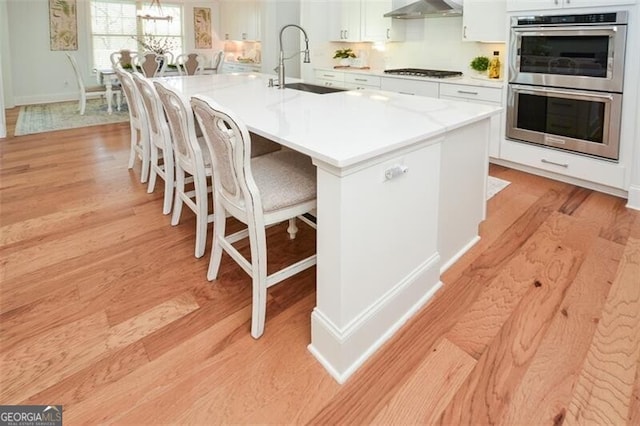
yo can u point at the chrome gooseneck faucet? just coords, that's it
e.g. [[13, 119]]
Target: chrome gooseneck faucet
[[306, 59]]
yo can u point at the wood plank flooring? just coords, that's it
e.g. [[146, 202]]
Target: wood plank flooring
[[104, 309]]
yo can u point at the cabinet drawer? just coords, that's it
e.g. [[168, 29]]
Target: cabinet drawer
[[410, 87], [487, 94], [362, 80], [329, 75], [331, 83], [577, 166]]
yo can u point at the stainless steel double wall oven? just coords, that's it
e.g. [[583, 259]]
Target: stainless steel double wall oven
[[566, 77]]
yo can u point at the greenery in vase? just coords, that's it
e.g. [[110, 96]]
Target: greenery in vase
[[480, 63], [344, 54], [159, 45]]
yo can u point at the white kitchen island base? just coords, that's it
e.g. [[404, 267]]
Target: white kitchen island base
[[396, 237], [401, 191]]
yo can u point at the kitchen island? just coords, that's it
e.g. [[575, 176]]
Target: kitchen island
[[401, 191]]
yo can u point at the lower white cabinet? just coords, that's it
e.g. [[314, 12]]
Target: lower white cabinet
[[361, 81], [329, 78], [564, 163], [410, 86], [482, 95], [347, 80], [229, 67]]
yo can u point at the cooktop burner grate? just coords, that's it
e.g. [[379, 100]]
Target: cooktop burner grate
[[418, 72]]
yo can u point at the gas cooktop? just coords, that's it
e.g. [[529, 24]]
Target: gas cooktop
[[418, 72]]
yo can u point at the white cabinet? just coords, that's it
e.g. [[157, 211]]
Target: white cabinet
[[344, 20], [354, 81], [524, 5], [375, 27], [347, 80], [363, 20], [229, 67], [410, 86], [330, 78], [240, 20], [560, 162], [481, 95], [484, 20]]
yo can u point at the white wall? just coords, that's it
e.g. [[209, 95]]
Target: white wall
[[4, 47], [37, 74]]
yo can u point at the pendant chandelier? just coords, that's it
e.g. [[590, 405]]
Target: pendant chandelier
[[154, 13]]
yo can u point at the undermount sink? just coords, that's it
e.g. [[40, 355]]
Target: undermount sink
[[313, 88]]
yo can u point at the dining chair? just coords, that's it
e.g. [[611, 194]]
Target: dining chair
[[138, 123], [191, 157], [217, 62], [89, 92], [151, 64], [190, 63], [259, 192], [124, 58], [159, 140]]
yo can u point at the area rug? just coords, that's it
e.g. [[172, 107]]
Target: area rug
[[66, 115], [495, 185]]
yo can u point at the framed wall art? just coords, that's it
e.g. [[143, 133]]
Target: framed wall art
[[63, 25], [202, 27]]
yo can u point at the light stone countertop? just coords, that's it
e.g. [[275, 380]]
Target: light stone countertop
[[341, 129]]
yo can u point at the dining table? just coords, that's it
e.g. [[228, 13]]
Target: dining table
[[401, 184], [108, 78]]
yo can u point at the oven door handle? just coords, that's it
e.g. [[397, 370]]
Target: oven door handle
[[528, 91]]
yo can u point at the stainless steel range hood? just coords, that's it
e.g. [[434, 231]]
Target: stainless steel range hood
[[427, 9]]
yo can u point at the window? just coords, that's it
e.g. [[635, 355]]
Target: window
[[116, 26]]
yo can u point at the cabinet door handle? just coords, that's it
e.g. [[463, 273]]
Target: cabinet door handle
[[346, 34], [464, 32], [407, 93], [361, 79], [388, 34], [565, 165], [466, 92]]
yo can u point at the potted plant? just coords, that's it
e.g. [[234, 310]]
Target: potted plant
[[480, 64], [345, 56]]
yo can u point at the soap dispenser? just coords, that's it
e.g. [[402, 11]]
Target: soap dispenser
[[494, 65]]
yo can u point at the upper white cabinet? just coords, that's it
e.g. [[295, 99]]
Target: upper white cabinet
[[363, 20], [344, 20], [375, 27], [484, 20], [240, 20], [523, 5]]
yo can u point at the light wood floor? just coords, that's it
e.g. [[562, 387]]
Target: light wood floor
[[104, 309]]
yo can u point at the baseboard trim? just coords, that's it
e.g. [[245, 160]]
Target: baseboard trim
[[47, 99], [633, 202], [343, 350], [459, 254]]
